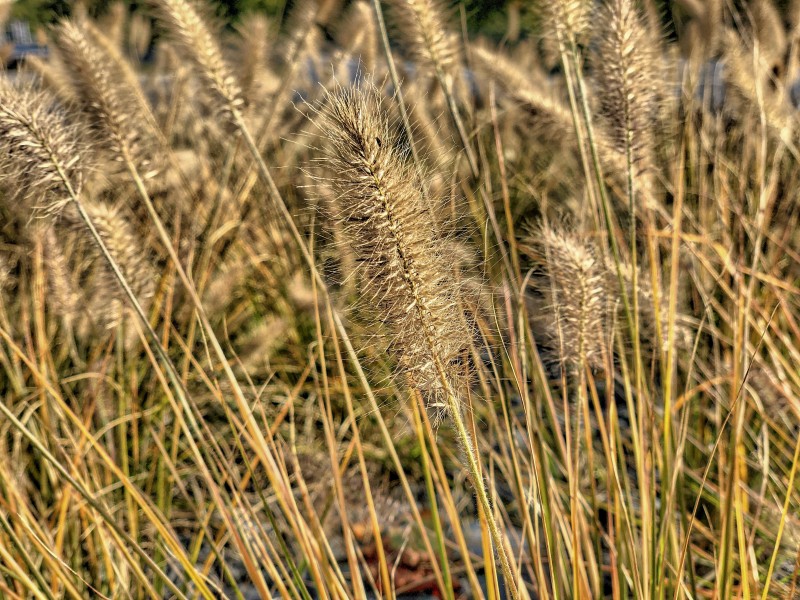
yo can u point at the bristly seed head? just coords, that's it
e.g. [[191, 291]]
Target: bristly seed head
[[106, 301], [103, 94], [405, 281], [575, 287], [567, 19], [423, 25], [625, 65], [41, 155], [192, 35]]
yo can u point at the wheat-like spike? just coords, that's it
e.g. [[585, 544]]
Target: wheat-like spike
[[567, 19], [412, 290], [624, 65], [140, 35], [653, 310], [575, 287], [193, 37], [104, 94], [106, 300], [357, 34], [747, 72], [300, 29], [254, 46], [114, 22], [548, 111], [770, 31], [51, 75], [423, 26], [63, 295], [383, 213], [38, 149]]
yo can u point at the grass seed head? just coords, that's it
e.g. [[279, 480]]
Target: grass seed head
[[103, 94], [576, 293], [422, 24], [42, 159], [567, 19], [405, 279], [193, 37], [106, 301], [357, 33], [625, 70]]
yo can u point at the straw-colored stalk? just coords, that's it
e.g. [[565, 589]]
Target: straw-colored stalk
[[405, 279]]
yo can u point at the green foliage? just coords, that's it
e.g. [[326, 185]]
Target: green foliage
[[232, 10], [40, 12]]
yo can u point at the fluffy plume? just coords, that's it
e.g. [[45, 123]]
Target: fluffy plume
[[653, 311], [301, 30], [567, 19], [199, 46], [423, 26], [357, 33], [63, 295], [51, 75], [770, 32], [114, 22], [405, 280], [254, 36], [575, 292], [140, 34], [41, 157], [106, 299], [104, 94], [548, 112], [626, 78], [748, 72]]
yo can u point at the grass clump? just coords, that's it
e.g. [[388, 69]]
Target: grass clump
[[293, 311]]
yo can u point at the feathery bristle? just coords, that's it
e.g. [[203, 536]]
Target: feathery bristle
[[423, 26], [547, 110], [190, 31], [624, 65], [253, 49], [106, 299], [383, 213], [140, 35], [568, 19], [103, 93], [63, 295], [748, 73], [300, 29], [357, 34], [770, 32], [576, 289], [114, 22], [51, 75], [653, 310], [5, 273], [41, 156]]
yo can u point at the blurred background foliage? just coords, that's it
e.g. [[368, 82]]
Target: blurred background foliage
[[499, 20], [489, 17]]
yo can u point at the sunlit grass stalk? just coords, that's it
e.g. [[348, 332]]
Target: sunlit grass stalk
[[27, 114], [386, 218], [416, 409], [376, 531], [115, 123]]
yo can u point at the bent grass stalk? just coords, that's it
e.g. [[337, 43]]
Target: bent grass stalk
[[115, 125], [410, 290]]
